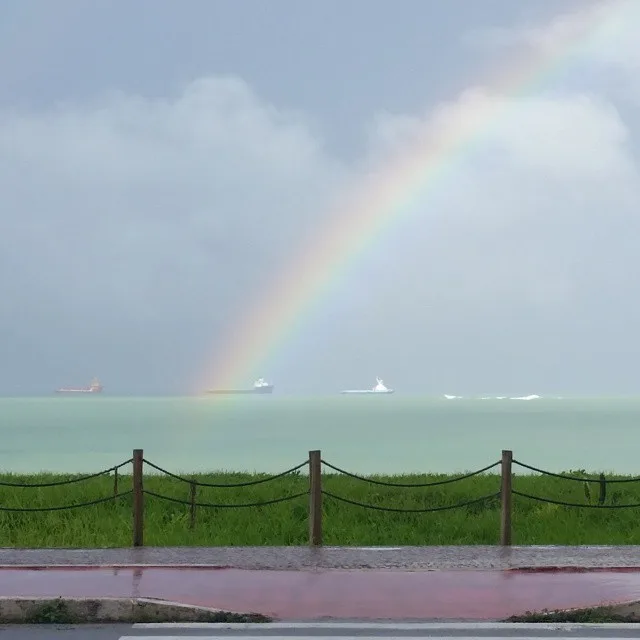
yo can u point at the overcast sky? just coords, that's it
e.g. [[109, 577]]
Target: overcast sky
[[161, 162]]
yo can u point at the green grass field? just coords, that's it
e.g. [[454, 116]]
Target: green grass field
[[166, 523]]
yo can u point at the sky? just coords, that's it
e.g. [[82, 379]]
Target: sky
[[162, 164]]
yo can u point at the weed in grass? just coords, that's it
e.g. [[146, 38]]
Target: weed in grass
[[55, 612]]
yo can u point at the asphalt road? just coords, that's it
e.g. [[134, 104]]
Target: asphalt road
[[324, 631]]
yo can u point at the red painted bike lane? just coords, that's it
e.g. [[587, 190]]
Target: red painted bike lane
[[335, 593]]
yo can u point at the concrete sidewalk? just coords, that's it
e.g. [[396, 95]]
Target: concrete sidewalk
[[283, 558]]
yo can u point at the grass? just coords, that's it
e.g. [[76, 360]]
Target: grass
[[166, 523], [595, 615], [58, 612]]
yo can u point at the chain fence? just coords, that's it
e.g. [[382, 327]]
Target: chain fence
[[586, 481], [319, 488], [66, 482]]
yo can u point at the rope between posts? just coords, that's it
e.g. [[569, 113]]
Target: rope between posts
[[435, 483], [67, 506], [59, 483], [575, 504], [574, 478], [248, 483], [449, 507], [226, 506]]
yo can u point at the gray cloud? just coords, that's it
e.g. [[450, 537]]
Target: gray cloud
[[515, 272], [136, 232], [144, 223]]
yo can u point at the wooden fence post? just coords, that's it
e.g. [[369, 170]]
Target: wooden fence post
[[505, 498], [315, 498], [192, 506], [138, 498]]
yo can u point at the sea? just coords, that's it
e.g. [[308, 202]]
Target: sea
[[389, 434]]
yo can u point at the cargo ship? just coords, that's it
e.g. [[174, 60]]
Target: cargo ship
[[94, 387], [377, 390], [260, 386]]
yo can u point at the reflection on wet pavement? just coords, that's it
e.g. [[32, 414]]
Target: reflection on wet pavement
[[338, 593]]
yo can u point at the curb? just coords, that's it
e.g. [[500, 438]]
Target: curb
[[112, 610], [572, 569], [113, 566], [219, 567]]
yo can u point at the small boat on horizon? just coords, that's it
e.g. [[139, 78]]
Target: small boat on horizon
[[379, 389], [94, 387], [260, 386]]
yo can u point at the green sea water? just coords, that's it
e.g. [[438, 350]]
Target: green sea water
[[389, 434]]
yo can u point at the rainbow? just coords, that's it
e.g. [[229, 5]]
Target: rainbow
[[382, 197]]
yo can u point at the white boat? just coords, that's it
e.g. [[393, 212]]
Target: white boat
[[377, 390], [95, 387]]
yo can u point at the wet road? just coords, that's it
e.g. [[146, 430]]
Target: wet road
[[333, 631], [286, 558], [337, 593]]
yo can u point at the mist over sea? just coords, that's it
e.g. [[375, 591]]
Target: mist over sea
[[390, 434]]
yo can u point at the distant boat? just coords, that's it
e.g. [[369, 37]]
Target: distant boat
[[379, 389], [260, 386], [94, 387]]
